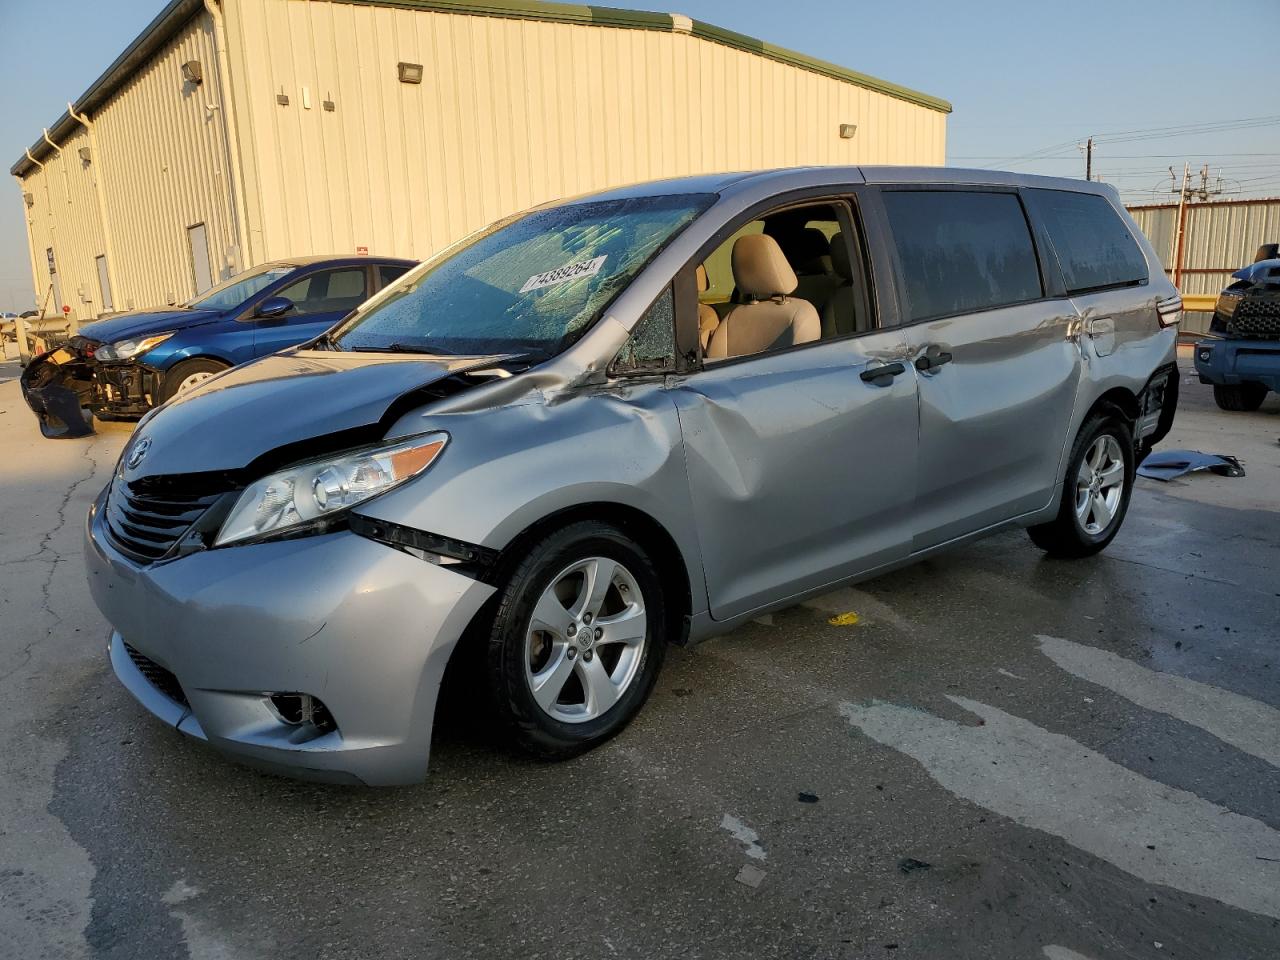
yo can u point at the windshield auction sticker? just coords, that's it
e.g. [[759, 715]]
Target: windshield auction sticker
[[584, 268]]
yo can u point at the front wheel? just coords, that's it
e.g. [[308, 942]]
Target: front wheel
[[1244, 397], [190, 373], [577, 640], [1095, 494]]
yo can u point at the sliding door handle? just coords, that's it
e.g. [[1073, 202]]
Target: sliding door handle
[[932, 360]]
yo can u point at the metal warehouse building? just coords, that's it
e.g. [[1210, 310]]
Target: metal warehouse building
[[232, 132]]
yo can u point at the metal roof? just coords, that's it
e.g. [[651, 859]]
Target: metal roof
[[176, 14]]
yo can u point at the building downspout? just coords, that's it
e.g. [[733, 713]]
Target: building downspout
[[95, 157], [230, 138], [20, 325]]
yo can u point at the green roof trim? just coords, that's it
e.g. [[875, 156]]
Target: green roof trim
[[709, 31], [642, 20], [177, 12], [529, 10]]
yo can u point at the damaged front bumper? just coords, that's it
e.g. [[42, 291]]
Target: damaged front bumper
[[58, 387], [67, 387], [223, 644]]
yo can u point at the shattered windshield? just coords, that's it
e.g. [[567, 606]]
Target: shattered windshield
[[231, 293], [532, 284]]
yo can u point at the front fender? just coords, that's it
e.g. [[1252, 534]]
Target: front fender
[[507, 468], [231, 347]]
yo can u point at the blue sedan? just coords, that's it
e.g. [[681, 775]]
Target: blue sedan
[[121, 367]]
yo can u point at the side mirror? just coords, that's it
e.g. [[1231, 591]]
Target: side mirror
[[273, 307]]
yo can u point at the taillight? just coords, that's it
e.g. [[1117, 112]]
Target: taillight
[[1169, 312]]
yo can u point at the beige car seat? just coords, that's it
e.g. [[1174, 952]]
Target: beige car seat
[[771, 318], [708, 319]]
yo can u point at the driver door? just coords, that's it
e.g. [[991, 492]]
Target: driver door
[[320, 300]]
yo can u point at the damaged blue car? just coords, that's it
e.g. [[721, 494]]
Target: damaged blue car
[[121, 367]]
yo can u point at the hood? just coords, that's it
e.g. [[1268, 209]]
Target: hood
[[249, 413], [1263, 272], [142, 324]]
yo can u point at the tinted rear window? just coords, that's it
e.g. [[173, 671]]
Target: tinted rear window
[[1094, 245], [961, 252]]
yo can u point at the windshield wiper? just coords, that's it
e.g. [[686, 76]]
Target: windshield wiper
[[405, 348]]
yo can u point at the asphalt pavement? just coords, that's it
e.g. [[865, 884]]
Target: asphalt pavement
[[989, 755]]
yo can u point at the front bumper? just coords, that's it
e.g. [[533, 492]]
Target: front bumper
[[1233, 362], [66, 387], [125, 388], [364, 627]]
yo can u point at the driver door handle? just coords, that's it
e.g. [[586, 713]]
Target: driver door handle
[[883, 374]]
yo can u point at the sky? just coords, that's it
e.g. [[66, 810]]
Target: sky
[[1156, 82]]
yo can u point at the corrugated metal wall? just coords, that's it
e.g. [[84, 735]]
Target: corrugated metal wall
[[164, 161], [65, 218], [510, 113], [1219, 238]]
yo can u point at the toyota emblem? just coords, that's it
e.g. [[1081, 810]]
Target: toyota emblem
[[138, 453]]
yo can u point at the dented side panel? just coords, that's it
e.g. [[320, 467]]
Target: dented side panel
[[801, 472], [508, 467]]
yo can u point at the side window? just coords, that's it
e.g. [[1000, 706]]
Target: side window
[[389, 273], [652, 347], [329, 291], [781, 280], [1095, 247], [961, 252]]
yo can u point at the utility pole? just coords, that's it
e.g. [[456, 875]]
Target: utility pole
[[1182, 224], [1088, 159], [1186, 194]]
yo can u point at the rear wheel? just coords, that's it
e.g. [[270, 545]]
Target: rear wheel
[[190, 373], [577, 640], [1240, 397], [1095, 494]]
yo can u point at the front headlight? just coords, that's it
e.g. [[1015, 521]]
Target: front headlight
[[124, 349], [319, 488]]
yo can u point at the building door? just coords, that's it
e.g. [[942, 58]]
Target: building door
[[201, 269], [56, 281], [104, 284]]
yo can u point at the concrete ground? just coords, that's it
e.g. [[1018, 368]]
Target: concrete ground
[[1006, 757]]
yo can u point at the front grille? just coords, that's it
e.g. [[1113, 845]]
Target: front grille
[[145, 526], [158, 676], [1256, 317]]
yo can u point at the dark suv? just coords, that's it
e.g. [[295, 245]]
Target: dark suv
[[1242, 361]]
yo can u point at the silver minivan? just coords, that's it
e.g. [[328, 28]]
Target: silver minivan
[[619, 422]]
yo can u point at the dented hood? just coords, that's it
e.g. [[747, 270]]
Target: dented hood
[[249, 412]]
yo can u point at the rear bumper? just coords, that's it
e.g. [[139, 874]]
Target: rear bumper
[[1233, 362], [365, 628]]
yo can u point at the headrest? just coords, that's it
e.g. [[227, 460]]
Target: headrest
[[840, 258], [806, 248], [701, 273], [759, 268]]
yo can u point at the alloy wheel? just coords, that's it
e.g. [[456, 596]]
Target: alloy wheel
[[585, 640], [1100, 485], [190, 381]]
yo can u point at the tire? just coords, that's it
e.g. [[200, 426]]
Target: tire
[[521, 654], [186, 372], [1244, 397], [1072, 534]]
